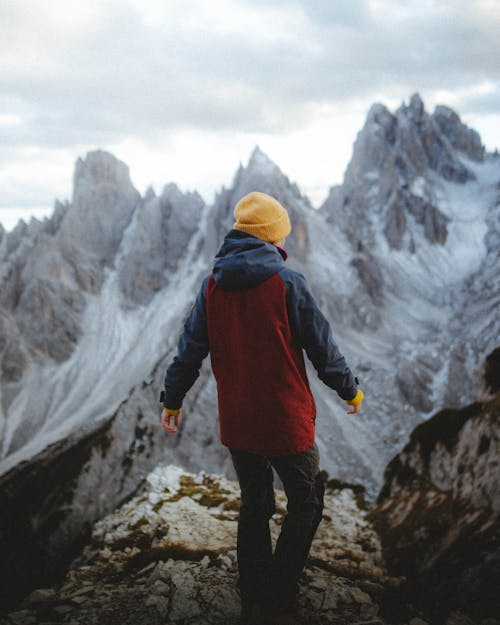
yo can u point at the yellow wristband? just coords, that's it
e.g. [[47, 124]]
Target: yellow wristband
[[357, 399], [172, 411]]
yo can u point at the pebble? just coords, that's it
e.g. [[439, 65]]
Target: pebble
[[360, 596], [23, 617], [160, 588], [64, 608], [330, 601], [456, 618], [205, 562], [42, 594], [226, 562], [146, 569]]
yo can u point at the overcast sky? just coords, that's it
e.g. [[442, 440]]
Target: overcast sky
[[182, 90]]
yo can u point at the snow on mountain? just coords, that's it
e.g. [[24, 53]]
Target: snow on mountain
[[117, 346], [420, 211], [403, 258]]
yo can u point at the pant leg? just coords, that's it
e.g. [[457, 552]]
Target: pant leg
[[304, 488], [257, 506]]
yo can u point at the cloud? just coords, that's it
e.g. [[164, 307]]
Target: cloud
[[150, 73], [108, 71]]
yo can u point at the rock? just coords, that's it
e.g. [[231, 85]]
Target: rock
[[79, 599], [160, 603], [368, 610], [42, 594], [417, 621], [160, 588], [184, 597], [462, 138], [63, 609], [163, 228], [330, 600], [360, 597], [439, 511], [458, 619], [178, 583], [104, 200], [23, 617], [433, 220]]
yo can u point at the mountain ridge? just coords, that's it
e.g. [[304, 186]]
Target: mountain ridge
[[376, 278], [88, 322]]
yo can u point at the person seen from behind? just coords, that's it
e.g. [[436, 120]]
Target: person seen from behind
[[256, 318]]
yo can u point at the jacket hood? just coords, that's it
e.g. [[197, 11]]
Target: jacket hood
[[245, 261]]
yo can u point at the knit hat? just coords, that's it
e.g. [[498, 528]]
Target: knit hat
[[263, 216]]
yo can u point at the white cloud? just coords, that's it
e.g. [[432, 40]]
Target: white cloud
[[186, 78]]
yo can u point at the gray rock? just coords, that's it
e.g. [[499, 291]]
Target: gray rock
[[157, 244], [460, 136], [42, 594], [23, 617], [439, 510], [433, 220], [395, 224], [48, 316]]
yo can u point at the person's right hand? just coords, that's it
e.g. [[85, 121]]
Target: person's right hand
[[166, 418], [355, 402]]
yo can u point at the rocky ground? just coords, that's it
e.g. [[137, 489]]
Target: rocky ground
[[168, 557]]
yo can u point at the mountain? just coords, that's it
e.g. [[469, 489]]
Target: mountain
[[438, 513], [403, 258]]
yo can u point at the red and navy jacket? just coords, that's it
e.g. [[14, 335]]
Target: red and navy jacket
[[256, 318]]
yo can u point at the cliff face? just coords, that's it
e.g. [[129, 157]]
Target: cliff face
[[438, 513], [168, 556]]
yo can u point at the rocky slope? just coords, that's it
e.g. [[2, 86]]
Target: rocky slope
[[168, 556], [439, 511]]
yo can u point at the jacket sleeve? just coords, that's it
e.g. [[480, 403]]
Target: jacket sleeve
[[311, 330], [192, 349]]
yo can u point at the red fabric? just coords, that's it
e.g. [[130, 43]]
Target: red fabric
[[265, 403]]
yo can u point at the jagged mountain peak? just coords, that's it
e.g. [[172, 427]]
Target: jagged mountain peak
[[99, 166], [413, 142], [104, 200], [400, 167], [260, 161], [461, 137], [414, 110], [262, 174]]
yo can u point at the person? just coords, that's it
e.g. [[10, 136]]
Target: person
[[256, 317]]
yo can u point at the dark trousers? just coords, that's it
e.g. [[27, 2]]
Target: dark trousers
[[262, 575]]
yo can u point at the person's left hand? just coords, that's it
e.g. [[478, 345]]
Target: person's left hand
[[166, 418]]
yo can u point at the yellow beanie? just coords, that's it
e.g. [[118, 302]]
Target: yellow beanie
[[263, 216]]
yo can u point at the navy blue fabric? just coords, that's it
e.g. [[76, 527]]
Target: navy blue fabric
[[312, 332], [192, 349], [245, 261]]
